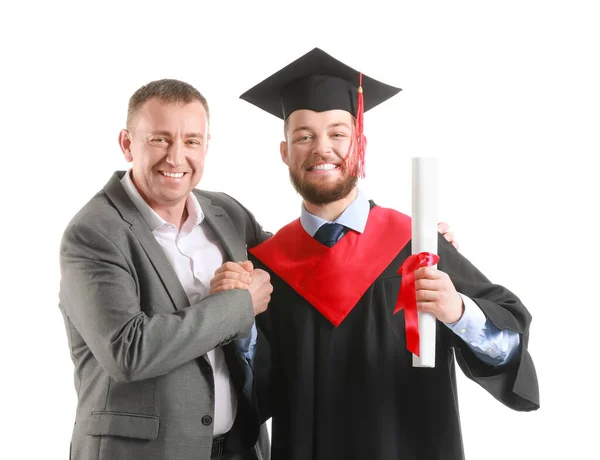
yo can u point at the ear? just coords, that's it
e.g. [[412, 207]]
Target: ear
[[283, 151], [125, 143]]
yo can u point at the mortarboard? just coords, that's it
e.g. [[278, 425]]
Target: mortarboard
[[319, 82]]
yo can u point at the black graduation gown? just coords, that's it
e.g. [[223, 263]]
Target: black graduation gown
[[350, 391]]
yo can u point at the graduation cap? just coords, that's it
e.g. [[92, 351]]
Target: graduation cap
[[319, 82]]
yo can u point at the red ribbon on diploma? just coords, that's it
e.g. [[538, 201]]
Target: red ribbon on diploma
[[407, 297]]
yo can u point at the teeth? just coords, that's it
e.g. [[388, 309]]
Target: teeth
[[169, 174], [326, 166]]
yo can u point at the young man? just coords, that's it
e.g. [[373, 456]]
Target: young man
[[160, 367], [342, 384]]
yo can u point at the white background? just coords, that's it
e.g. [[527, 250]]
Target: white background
[[505, 94]]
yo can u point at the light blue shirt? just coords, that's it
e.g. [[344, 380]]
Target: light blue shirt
[[491, 345], [247, 345]]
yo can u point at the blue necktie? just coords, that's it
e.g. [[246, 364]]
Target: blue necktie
[[329, 234]]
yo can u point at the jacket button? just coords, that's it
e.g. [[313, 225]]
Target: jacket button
[[206, 420]]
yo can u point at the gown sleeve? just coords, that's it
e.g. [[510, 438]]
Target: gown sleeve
[[515, 383]]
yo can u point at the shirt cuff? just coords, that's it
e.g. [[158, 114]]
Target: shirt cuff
[[491, 345], [247, 345], [472, 323]]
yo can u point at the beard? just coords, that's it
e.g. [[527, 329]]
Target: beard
[[320, 194]]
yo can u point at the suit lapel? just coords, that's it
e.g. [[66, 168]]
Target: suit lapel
[[161, 264], [116, 193], [216, 217], [224, 229]]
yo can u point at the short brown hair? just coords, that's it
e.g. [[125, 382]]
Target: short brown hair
[[166, 90]]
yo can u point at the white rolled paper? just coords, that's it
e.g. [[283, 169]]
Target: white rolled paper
[[425, 239]]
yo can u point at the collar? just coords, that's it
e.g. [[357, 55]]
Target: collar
[[354, 216], [149, 215]]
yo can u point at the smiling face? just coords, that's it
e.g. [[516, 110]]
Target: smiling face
[[166, 144], [316, 146]]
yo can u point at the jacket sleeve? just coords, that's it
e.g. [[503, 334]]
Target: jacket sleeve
[[101, 297]]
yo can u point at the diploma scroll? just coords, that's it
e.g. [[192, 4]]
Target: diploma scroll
[[425, 239]]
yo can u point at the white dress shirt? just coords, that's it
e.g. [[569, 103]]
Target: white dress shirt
[[195, 254]]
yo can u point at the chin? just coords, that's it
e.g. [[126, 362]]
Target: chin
[[321, 194]]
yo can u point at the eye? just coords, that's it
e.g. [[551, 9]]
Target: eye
[[159, 140], [304, 138], [194, 142]]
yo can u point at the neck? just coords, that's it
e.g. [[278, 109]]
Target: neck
[[175, 215], [172, 213], [331, 211]]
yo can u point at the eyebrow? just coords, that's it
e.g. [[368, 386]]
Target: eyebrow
[[329, 126], [341, 123], [168, 134]]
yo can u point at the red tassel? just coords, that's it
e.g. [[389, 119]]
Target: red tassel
[[358, 146]]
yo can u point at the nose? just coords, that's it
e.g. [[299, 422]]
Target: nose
[[322, 145], [175, 154]]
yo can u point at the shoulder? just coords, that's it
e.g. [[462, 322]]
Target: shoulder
[[230, 205], [97, 219], [244, 221], [220, 199]]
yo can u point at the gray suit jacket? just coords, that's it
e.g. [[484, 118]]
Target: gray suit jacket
[[144, 385]]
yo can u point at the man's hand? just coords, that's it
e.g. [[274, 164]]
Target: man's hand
[[437, 295], [260, 289], [242, 275], [444, 229], [230, 275]]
